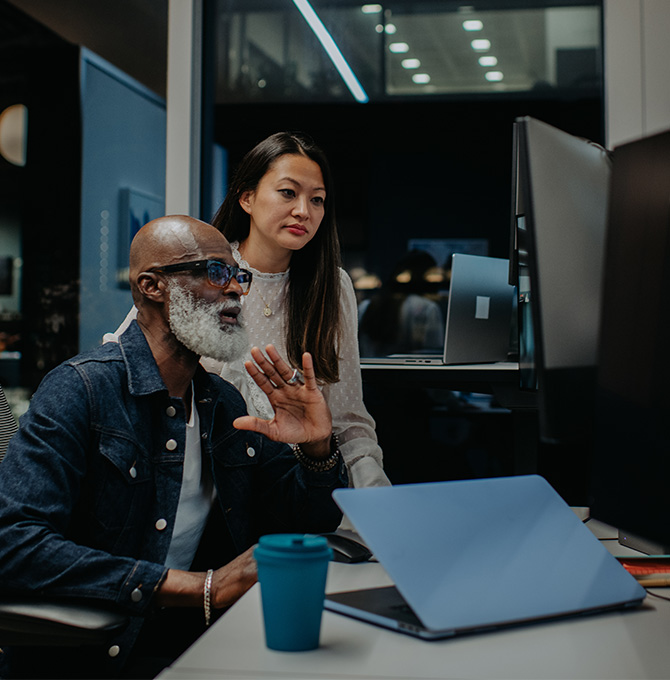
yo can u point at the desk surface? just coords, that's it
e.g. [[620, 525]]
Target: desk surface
[[631, 644]]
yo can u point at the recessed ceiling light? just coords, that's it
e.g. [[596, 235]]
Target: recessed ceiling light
[[371, 9], [379, 28], [399, 47], [390, 29], [480, 45], [488, 61], [410, 63], [421, 78], [494, 76], [473, 25]]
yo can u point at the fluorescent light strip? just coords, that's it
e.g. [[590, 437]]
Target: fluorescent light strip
[[333, 51]]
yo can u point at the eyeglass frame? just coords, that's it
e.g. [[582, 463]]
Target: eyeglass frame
[[203, 265]]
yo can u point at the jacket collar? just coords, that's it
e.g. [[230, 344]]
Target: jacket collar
[[142, 370], [141, 367]]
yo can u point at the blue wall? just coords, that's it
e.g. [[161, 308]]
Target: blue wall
[[123, 181]]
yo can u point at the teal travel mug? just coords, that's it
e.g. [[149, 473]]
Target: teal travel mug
[[292, 570]]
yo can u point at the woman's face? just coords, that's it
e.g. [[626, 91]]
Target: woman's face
[[288, 204]]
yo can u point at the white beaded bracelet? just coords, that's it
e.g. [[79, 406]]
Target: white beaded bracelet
[[207, 596]]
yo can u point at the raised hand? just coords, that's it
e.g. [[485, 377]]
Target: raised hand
[[301, 413]]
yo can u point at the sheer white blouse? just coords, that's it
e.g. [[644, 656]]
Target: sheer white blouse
[[351, 421]]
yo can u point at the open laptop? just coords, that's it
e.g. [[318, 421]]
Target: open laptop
[[468, 556], [479, 315]]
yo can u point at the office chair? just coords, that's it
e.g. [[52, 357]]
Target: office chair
[[42, 623], [39, 623]]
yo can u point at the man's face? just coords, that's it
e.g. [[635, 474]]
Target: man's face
[[209, 326]]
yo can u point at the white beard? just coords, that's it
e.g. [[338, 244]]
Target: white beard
[[197, 325]]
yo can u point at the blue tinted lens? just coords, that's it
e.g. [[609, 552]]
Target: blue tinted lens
[[220, 275]]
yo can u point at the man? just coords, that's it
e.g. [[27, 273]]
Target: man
[[135, 471]]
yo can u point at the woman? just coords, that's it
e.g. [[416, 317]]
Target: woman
[[279, 218]]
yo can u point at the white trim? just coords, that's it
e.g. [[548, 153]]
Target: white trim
[[184, 102], [637, 50]]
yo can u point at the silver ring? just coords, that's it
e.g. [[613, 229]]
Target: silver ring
[[296, 378]]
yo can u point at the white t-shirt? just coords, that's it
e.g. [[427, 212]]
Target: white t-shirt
[[195, 499]]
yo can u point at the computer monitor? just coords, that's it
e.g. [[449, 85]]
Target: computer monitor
[[519, 276], [558, 232], [631, 470]]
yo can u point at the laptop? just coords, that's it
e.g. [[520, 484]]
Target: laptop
[[474, 555], [479, 315]]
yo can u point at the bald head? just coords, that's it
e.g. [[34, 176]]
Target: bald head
[[173, 239]]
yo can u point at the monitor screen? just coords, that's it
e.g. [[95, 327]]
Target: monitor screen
[[631, 471], [559, 222]]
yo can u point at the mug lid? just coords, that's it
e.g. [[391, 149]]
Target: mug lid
[[293, 542]]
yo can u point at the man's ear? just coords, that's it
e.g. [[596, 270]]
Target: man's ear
[[245, 201], [151, 286]]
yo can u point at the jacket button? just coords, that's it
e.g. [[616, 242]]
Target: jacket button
[[136, 595], [170, 444], [114, 650], [251, 451], [171, 411], [132, 472], [161, 524]]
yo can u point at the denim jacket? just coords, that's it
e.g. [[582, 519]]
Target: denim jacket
[[90, 484]]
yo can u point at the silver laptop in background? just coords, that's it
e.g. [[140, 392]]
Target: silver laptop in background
[[479, 316]]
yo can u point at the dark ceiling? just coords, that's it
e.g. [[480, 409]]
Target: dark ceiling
[[130, 34]]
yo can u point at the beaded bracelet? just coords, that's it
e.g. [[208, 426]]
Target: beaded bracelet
[[207, 596], [323, 464]]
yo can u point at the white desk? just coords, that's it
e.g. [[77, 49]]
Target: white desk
[[632, 644]]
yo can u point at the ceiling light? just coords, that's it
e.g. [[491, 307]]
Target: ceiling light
[[390, 29], [371, 9], [333, 51], [480, 45], [421, 78], [410, 63], [379, 28], [488, 61], [473, 25], [399, 47], [494, 76]]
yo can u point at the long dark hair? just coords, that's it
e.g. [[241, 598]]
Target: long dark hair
[[314, 278]]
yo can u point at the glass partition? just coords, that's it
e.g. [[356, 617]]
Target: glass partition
[[413, 101], [331, 50]]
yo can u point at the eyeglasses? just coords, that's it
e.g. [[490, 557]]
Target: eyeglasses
[[218, 273]]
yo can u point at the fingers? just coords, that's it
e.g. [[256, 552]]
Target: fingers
[[277, 372], [234, 579], [308, 369]]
